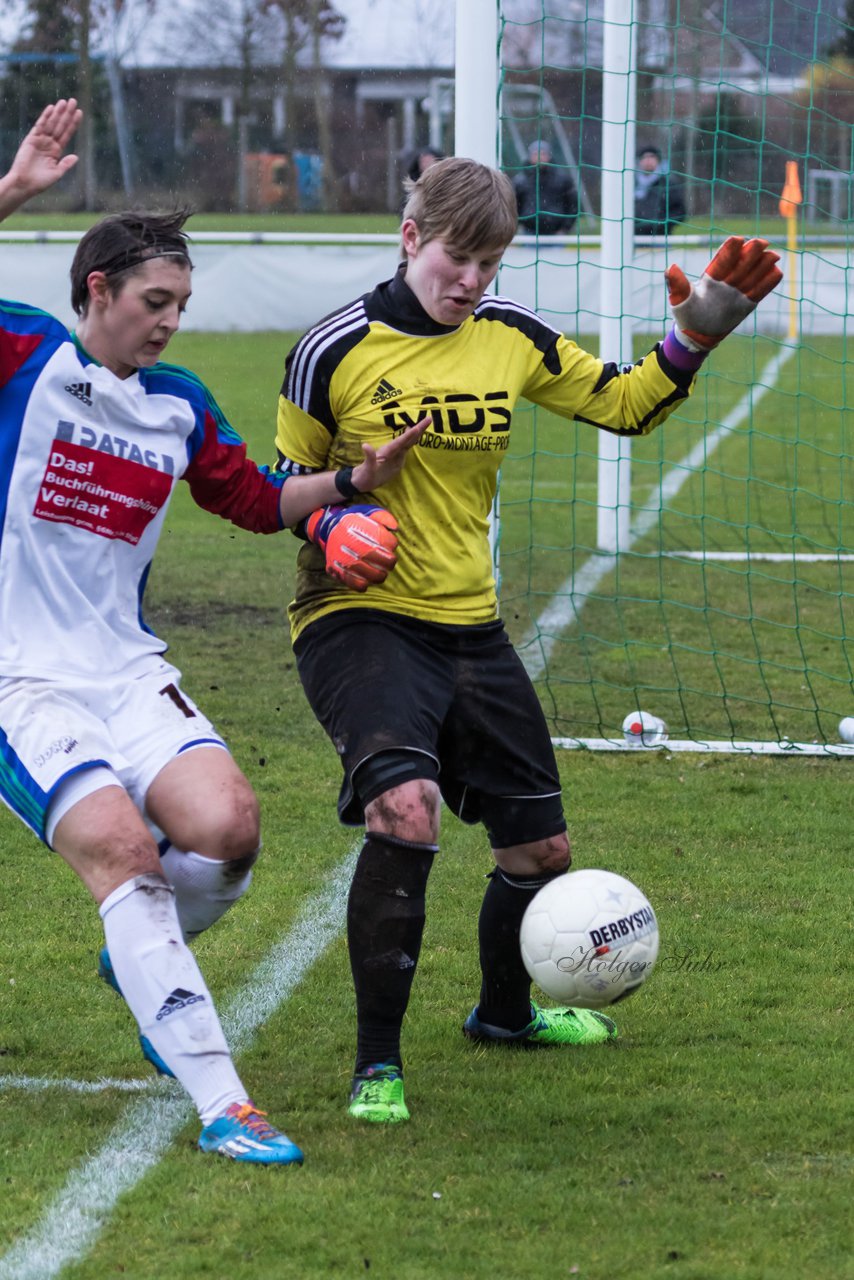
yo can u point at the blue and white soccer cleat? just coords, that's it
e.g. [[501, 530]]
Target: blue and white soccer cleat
[[106, 971], [243, 1133]]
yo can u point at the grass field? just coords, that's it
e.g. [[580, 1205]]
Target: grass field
[[711, 1142]]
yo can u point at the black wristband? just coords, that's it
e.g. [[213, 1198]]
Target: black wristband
[[344, 483]]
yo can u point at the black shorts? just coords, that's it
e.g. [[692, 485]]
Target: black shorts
[[457, 698]]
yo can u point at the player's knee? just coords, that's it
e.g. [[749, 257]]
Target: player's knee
[[409, 812], [554, 854], [399, 791], [550, 856], [232, 827]]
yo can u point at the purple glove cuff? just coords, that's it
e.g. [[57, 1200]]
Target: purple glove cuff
[[680, 356]]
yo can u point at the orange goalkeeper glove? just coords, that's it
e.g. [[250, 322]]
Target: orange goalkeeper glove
[[359, 543], [738, 277]]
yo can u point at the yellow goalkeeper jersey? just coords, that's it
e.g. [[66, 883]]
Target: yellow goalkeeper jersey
[[377, 366]]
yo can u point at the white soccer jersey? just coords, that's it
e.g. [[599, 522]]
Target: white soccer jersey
[[88, 464]]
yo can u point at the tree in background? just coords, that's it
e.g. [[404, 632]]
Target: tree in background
[[829, 93], [243, 36], [73, 48], [264, 43], [307, 24], [40, 67]]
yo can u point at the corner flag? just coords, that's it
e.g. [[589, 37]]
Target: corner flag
[[791, 196]]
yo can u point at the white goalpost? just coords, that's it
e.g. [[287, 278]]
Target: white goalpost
[[616, 254], [476, 84]]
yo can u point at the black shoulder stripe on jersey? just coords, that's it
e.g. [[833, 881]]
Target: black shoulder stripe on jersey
[[680, 393], [540, 334], [309, 366], [288, 467]]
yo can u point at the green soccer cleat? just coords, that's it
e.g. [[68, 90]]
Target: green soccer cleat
[[547, 1026], [377, 1095]]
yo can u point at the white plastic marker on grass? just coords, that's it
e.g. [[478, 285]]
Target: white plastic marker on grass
[[570, 598], [72, 1222]]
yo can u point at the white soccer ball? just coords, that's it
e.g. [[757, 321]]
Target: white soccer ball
[[846, 730], [589, 938]]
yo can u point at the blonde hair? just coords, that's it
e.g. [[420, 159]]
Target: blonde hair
[[463, 202]]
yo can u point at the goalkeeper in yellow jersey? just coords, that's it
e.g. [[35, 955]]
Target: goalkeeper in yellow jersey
[[399, 645]]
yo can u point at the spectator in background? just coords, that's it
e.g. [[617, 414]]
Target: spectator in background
[[421, 160], [546, 196], [659, 199]]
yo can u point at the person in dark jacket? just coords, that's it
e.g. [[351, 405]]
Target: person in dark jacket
[[659, 199], [421, 160], [546, 196]]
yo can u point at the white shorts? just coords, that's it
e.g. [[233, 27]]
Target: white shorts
[[62, 740]]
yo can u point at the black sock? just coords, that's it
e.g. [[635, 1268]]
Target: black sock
[[505, 993], [385, 922]]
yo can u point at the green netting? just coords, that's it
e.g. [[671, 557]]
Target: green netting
[[727, 609]]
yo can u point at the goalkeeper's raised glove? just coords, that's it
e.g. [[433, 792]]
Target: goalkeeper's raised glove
[[358, 541], [738, 277]]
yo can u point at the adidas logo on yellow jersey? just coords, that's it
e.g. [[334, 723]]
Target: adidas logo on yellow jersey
[[385, 391]]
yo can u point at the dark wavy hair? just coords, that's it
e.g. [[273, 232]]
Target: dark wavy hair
[[119, 244]]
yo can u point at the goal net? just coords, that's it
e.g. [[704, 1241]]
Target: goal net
[[707, 575]]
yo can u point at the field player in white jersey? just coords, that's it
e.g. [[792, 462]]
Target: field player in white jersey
[[102, 754]]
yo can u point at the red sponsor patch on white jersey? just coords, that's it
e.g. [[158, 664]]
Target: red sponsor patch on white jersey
[[112, 497]]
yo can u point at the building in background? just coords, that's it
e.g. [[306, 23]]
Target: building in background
[[239, 104]]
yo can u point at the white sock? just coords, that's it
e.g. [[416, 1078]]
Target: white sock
[[166, 992], [204, 888]]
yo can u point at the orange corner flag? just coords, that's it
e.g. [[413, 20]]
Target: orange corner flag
[[791, 196]]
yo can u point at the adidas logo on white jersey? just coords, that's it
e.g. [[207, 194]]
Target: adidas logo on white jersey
[[82, 390]]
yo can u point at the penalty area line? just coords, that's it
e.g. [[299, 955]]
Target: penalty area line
[[73, 1220]]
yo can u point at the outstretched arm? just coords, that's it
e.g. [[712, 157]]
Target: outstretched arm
[[303, 494], [41, 160]]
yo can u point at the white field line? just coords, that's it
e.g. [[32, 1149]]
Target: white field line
[[767, 557], [40, 1084], [72, 1222], [731, 747], [570, 598]]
